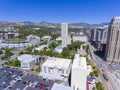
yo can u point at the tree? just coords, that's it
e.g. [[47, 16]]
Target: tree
[[87, 58], [70, 47], [65, 52], [38, 69], [91, 74], [1, 52], [96, 72], [35, 52], [8, 53], [29, 49], [94, 67], [87, 48], [53, 45], [99, 86], [16, 63]]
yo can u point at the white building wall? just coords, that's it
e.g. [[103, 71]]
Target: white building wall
[[79, 78], [80, 38], [57, 71], [64, 35]]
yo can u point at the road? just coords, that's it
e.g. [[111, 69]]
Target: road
[[100, 65]]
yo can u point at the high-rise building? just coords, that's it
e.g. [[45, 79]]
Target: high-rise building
[[64, 29], [79, 73], [99, 37], [64, 35], [113, 41], [93, 35]]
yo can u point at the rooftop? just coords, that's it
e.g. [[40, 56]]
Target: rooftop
[[59, 49], [60, 87], [41, 47], [26, 58], [46, 37], [79, 62], [57, 62]]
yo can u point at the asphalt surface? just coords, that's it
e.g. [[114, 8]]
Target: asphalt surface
[[15, 79], [101, 65]]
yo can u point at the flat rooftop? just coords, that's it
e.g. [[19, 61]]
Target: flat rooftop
[[79, 62], [57, 62], [41, 47], [26, 58], [61, 87]]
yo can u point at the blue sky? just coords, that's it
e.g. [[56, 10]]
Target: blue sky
[[70, 11]]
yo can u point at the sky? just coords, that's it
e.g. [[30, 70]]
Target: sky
[[58, 11]]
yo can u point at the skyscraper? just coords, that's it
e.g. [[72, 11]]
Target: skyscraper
[[64, 34], [113, 41], [64, 29]]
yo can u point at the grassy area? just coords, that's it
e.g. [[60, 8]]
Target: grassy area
[[36, 69], [13, 63]]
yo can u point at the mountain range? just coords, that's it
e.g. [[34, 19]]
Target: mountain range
[[52, 25]]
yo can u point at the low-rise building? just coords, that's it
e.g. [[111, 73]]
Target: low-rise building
[[41, 47], [57, 67], [31, 40], [46, 38], [59, 49], [28, 61]]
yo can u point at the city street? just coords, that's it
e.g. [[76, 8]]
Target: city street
[[101, 65]]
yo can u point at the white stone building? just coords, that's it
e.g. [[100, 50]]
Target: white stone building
[[56, 67], [28, 61], [61, 87], [81, 38], [64, 35], [79, 73]]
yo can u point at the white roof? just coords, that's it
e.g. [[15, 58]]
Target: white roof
[[61, 87], [59, 38], [79, 62], [59, 49], [26, 58], [41, 47], [46, 37], [57, 62]]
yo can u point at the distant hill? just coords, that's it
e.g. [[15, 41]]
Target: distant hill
[[52, 25]]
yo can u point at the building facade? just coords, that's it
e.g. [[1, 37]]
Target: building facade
[[57, 66], [113, 41], [79, 73], [81, 38], [64, 35], [28, 61], [99, 37]]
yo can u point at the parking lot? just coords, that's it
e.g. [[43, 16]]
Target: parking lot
[[14, 79]]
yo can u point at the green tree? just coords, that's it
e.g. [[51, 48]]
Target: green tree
[[8, 53], [94, 67], [96, 72], [65, 52], [38, 69], [87, 48], [53, 45], [99, 86], [1, 52], [16, 63], [29, 49], [91, 74]]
